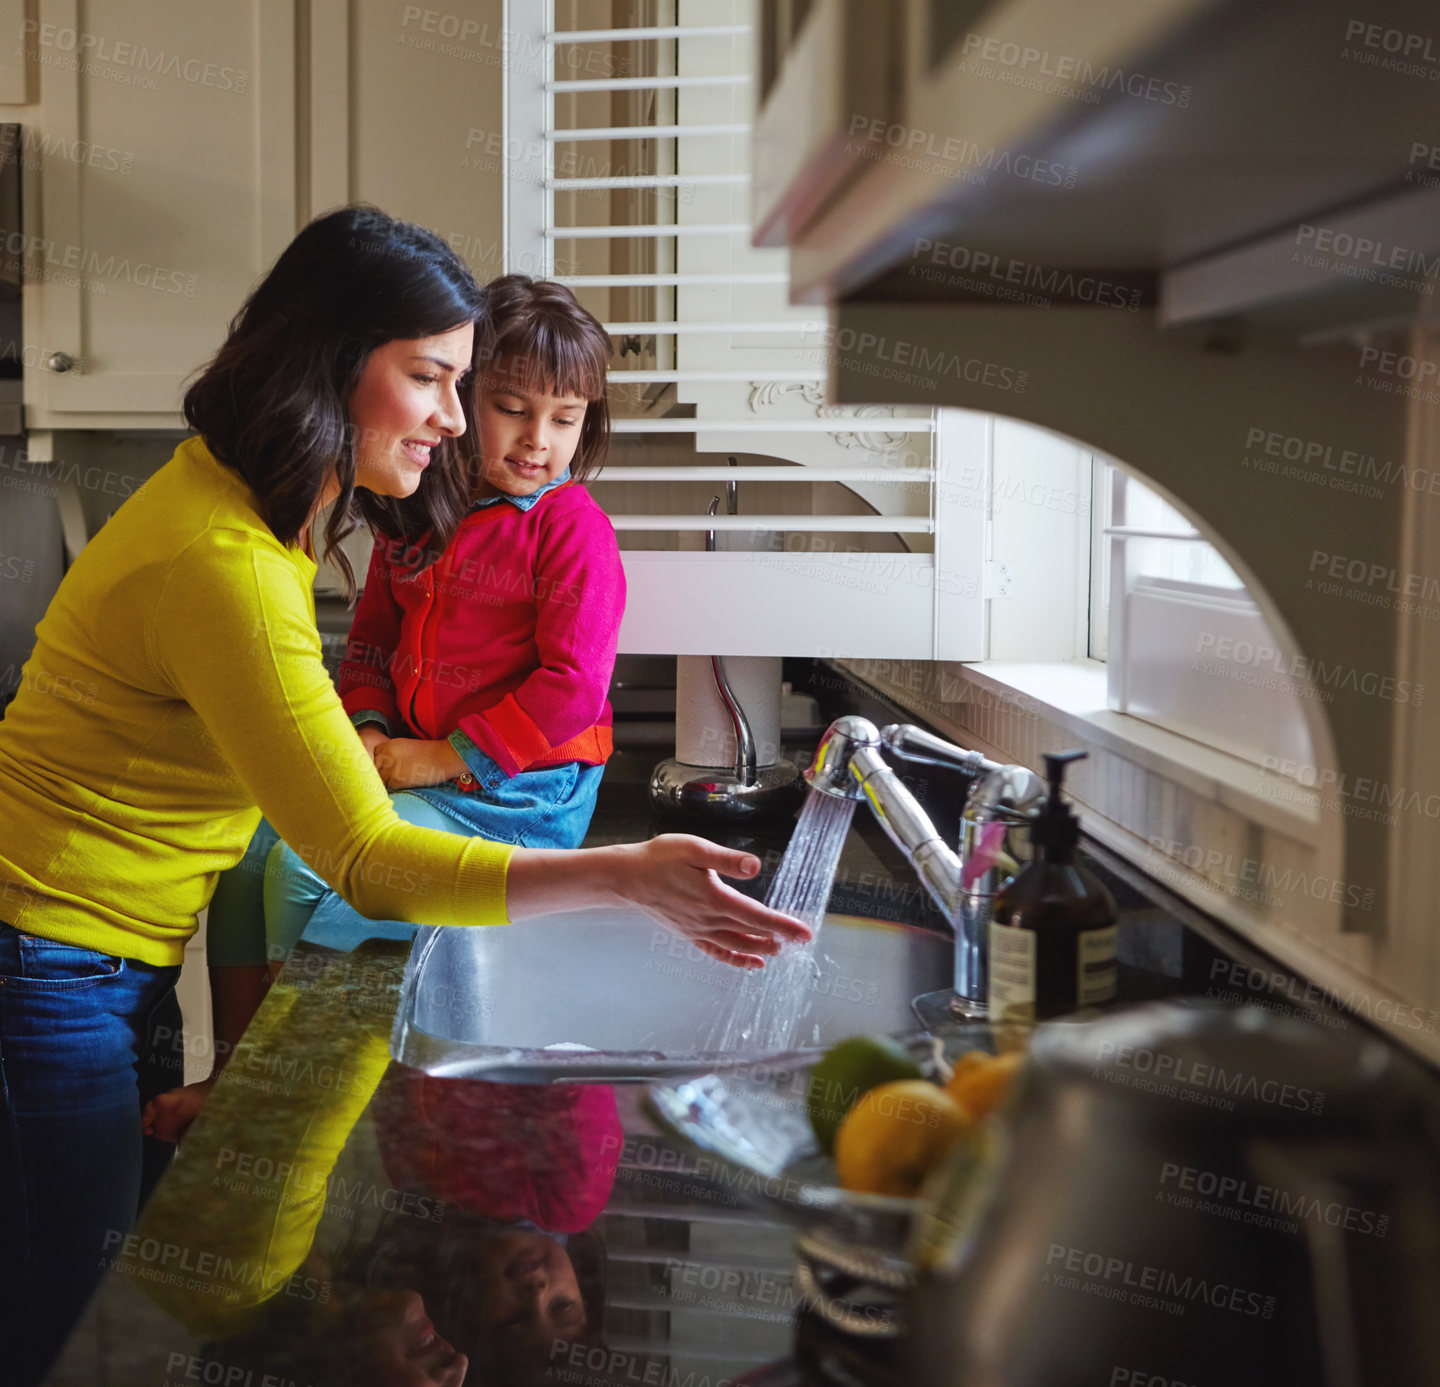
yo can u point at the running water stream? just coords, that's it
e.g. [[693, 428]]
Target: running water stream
[[770, 1002]]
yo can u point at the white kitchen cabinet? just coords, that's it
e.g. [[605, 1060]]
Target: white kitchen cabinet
[[826, 85], [167, 184], [12, 52], [406, 111], [176, 146]]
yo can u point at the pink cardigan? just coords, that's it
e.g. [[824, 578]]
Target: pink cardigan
[[508, 639]]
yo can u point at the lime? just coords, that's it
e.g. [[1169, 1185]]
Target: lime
[[846, 1072]]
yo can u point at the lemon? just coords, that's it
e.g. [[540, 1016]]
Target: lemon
[[980, 1081], [846, 1072], [896, 1135]]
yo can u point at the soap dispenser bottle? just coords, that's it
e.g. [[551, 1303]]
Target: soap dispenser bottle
[[1052, 936]]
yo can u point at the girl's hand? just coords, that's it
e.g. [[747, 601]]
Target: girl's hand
[[674, 879], [407, 761], [372, 738], [170, 1114]]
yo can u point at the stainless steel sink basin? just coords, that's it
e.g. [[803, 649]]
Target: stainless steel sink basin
[[644, 1004]]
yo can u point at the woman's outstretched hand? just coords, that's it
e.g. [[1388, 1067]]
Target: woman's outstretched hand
[[679, 885], [674, 879]]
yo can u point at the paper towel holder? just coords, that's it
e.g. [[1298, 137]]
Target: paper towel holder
[[745, 791], [729, 794]]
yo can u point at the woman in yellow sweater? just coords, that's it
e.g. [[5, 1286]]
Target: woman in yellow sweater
[[176, 692]]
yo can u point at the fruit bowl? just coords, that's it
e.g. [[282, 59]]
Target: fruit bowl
[[751, 1131]]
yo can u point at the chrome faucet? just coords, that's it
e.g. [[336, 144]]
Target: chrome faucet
[[849, 764]]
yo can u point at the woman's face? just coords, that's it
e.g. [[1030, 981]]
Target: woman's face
[[406, 401], [527, 438], [401, 1347]]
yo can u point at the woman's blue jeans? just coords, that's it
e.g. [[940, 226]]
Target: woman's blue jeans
[[86, 1040]]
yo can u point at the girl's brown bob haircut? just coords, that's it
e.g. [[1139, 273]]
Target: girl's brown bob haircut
[[536, 335]]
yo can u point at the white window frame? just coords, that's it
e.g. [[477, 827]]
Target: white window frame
[[1184, 655], [1179, 673], [1098, 624]]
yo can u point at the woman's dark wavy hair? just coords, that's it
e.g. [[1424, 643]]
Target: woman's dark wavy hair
[[536, 333], [274, 403]]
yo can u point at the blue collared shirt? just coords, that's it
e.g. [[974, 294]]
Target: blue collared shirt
[[522, 502]]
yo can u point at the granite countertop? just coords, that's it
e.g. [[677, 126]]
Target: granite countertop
[[329, 1207], [335, 1217]]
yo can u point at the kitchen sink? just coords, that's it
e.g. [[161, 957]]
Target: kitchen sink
[[611, 996]]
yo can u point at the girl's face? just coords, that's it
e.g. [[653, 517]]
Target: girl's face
[[530, 1290], [406, 401], [526, 438]]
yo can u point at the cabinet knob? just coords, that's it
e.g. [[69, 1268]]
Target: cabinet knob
[[60, 362]]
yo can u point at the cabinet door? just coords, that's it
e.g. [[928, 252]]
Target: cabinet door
[[168, 187]]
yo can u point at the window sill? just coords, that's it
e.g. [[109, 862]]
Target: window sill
[[1073, 694]]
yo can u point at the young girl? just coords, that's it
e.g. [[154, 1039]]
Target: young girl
[[478, 683]]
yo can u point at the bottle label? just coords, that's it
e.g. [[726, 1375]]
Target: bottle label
[[1012, 973], [1095, 976]]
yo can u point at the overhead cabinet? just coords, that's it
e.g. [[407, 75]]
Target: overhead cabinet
[[165, 183], [173, 149], [1268, 166]]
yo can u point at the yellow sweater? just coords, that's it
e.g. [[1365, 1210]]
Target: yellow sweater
[[241, 1205], [176, 685]]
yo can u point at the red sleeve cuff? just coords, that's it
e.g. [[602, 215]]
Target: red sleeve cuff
[[364, 698], [515, 727]]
